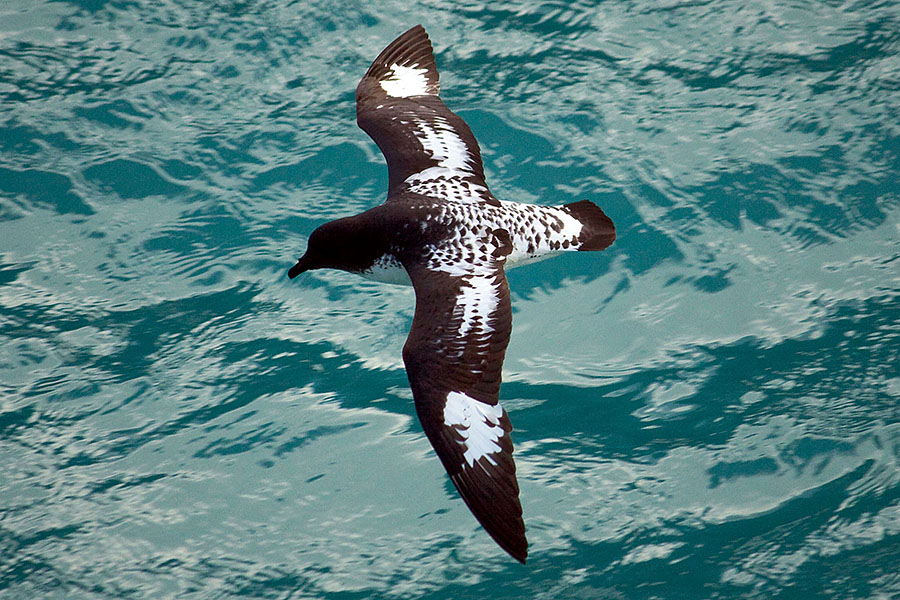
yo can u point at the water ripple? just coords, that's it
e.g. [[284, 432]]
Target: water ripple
[[706, 410]]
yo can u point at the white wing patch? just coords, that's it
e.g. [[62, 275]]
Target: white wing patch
[[445, 146], [447, 179], [478, 293], [478, 424], [405, 82], [477, 301]]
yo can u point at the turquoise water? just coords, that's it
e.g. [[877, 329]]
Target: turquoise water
[[709, 409]]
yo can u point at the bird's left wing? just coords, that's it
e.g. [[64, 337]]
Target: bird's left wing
[[429, 149], [453, 356]]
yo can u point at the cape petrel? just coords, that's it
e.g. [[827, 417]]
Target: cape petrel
[[442, 231]]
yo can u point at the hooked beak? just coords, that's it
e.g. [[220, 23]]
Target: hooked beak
[[301, 266]]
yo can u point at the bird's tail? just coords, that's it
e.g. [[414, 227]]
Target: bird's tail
[[598, 231]]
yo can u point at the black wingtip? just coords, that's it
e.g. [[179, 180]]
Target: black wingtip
[[516, 547], [413, 47], [499, 513], [520, 554]]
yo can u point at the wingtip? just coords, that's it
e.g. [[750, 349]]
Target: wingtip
[[414, 32], [411, 49], [519, 553], [499, 515], [516, 547], [515, 544]]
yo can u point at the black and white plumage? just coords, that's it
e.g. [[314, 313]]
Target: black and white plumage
[[443, 231]]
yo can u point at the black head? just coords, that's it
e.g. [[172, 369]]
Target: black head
[[316, 253], [344, 244]]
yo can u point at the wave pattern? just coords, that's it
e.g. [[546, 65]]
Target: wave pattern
[[706, 410]]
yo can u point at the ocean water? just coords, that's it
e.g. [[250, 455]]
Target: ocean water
[[708, 409]]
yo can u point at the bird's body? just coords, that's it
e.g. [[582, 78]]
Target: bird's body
[[442, 231], [415, 222]]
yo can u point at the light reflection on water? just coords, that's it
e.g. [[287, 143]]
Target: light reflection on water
[[708, 409]]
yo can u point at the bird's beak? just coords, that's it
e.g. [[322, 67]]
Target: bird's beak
[[301, 266]]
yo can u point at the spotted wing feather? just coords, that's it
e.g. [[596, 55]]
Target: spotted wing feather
[[454, 356], [428, 148]]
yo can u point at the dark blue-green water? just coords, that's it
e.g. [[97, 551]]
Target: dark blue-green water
[[709, 409]]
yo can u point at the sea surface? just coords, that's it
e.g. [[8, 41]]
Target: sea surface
[[708, 409]]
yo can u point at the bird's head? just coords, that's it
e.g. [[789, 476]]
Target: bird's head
[[340, 244]]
